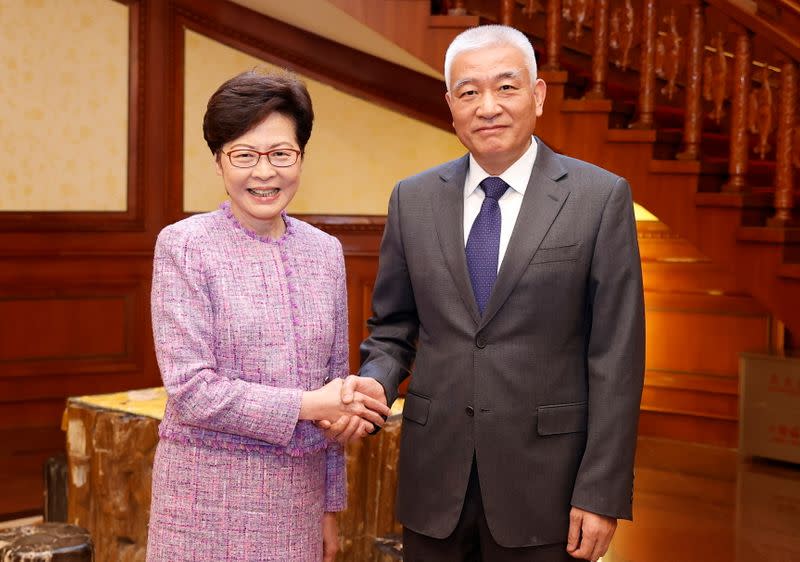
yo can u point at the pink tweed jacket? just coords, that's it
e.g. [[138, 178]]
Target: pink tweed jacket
[[243, 325]]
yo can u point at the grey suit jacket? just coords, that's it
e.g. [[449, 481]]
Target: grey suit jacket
[[545, 387]]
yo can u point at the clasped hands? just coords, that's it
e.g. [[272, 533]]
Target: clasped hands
[[346, 409]]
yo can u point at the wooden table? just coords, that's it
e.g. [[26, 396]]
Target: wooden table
[[111, 441]]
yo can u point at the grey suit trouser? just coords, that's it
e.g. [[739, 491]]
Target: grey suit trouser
[[471, 540]]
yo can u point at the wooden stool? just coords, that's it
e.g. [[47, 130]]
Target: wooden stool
[[48, 542]]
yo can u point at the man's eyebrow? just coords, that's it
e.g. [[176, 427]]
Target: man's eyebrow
[[508, 74], [461, 82]]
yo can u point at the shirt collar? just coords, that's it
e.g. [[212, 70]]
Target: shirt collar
[[516, 176]]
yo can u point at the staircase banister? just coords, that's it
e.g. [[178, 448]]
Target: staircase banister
[[792, 5], [781, 40]]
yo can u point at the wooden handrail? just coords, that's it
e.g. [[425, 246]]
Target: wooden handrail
[[790, 5], [787, 43]]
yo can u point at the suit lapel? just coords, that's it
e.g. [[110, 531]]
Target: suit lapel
[[543, 200], [448, 217]]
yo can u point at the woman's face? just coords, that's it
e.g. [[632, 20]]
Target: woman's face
[[259, 194]]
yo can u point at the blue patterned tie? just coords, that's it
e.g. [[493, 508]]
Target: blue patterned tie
[[483, 244]]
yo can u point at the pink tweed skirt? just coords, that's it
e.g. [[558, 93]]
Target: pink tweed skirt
[[215, 505]]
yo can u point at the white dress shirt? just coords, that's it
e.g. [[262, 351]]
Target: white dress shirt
[[516, 176]]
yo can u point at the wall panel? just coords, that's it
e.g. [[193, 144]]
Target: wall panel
[[44, 328], [64, 70]]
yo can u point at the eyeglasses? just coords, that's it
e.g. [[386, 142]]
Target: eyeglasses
[[248, 158]]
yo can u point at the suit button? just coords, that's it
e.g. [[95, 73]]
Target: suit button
[[470, 411], [480, 341]]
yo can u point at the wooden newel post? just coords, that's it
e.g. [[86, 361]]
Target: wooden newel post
[[647, 88], [552, 36], [784, 172], [506, 11], [693, 125], [600, 57], [737, 169]]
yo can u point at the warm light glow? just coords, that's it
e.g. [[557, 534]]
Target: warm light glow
[[643, 214]]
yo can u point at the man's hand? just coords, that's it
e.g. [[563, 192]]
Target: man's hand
[[326, 404], [330, 537], [364, 385], [589, 534], [351, 428]]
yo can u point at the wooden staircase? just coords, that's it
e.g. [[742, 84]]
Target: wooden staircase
[[716, 160]]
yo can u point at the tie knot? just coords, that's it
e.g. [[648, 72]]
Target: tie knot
[[494, 187]]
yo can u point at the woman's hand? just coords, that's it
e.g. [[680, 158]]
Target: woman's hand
[[330, 537], [326, 404]]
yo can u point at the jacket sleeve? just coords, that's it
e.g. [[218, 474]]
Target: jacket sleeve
[[336, 475], [389, 351], [183, 329], [615, 355]]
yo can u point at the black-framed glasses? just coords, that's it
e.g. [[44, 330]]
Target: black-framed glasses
[[248, 158]]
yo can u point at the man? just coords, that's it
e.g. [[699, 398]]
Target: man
[[510, 278]]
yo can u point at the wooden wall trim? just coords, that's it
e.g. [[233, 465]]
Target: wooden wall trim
[[336, 224]]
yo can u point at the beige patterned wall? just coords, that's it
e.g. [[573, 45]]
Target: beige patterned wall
[[357, 151], [64, 110]]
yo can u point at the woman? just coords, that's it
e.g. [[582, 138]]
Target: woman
[[249, 313]]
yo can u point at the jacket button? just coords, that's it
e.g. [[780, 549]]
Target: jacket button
[[470, 411], [480, 341]]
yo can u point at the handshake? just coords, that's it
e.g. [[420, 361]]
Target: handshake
[[347, 409]]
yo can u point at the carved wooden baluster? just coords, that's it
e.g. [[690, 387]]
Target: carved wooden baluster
[[460, 8], [620, 37], [600, 57], [796, 158], [759, 114], [715, 77], [693, 124], [553, 35], [576, 11], [737, 168], [506, 11], [787, 125], [531, 8], [566, 10], [647, 87], [668, 54]]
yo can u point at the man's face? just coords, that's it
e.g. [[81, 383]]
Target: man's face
[[494, 105]]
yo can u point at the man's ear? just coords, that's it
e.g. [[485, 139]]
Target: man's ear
[[539, 94]]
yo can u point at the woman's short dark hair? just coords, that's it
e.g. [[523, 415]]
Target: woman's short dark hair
[[245, 100]]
